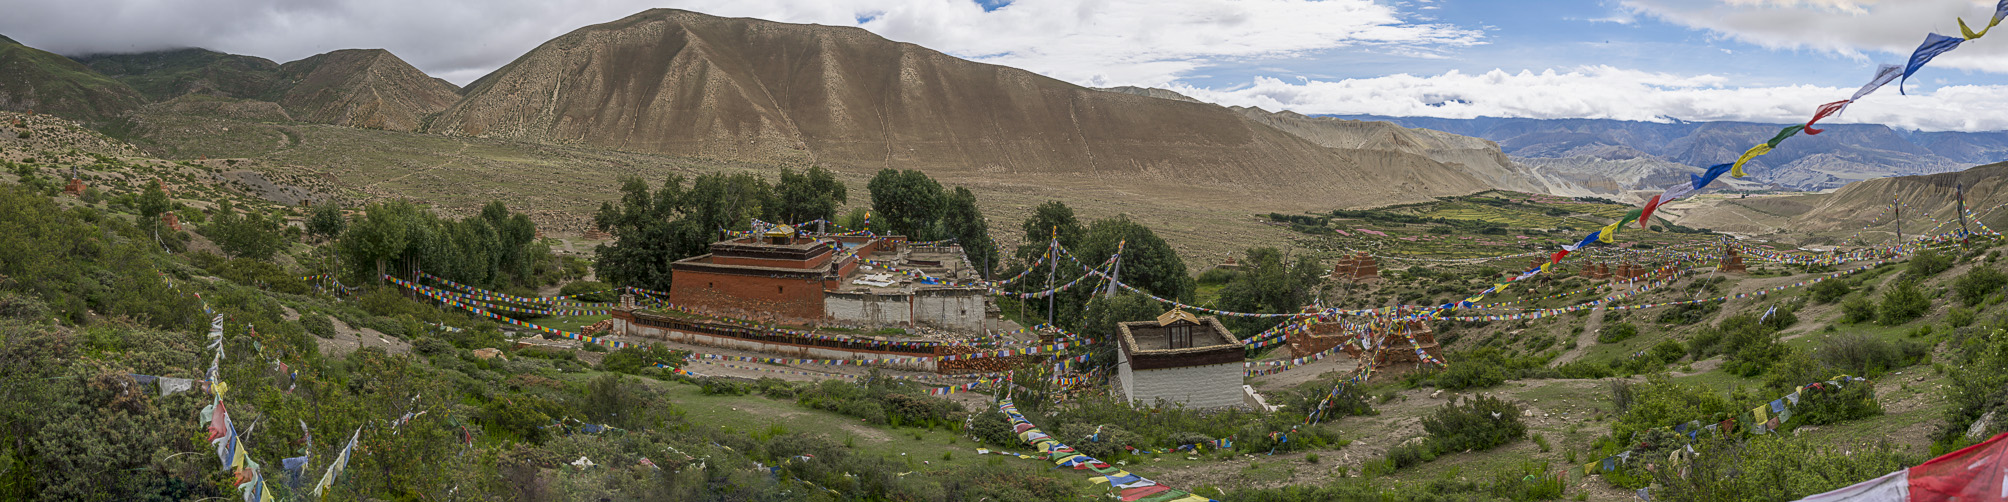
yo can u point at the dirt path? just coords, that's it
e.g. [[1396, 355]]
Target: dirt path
[[350, 339], [1587, 338]]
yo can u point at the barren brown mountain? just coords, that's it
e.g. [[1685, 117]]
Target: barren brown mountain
[[677, 82], [369, 88]]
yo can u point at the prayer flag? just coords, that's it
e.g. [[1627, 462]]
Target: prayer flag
[[1934, 44], [335, 469], [1825, 110], [1675, 192], [1787, 132], [1702, 180], [1650, 205], [1610, 232], [1736, 169], [1884, 74]]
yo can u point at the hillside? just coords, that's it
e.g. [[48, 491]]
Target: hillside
[[32, 79], [165, 75], [1932, 197], [676, 82], [1478, 157], [367, 88], [1843, 154]]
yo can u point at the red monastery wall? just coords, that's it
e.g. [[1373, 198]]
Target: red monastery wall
[[783, 297]]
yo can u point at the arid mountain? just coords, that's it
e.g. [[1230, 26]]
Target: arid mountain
[[165, 75], [1151, 92], [1843, 154], [1478, 157], [31, 79], [1929, 198], [677, 82], [368, 88]]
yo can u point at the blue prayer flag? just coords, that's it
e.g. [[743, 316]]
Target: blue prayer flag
[[1934, 44]]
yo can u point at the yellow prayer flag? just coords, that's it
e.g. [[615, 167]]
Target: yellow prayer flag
[[1609, 233], [1753, 152], [1970, 35]]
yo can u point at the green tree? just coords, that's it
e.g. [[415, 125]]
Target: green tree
[[245, 235], [1050, 220], [811, 195], [964, 223], [1269, 285], [907, 202], [380, 235], [152, 203], [326, 221], [653, 229]]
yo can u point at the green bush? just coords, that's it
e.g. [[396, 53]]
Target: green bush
[[1868, 356], [318, 324], [1476, 424], [1827, 405], [715, 386], [1830, 291], [633, 360], [1616, 332], [1904, 303], [1778, 467], [1927, 263], [1974, 287], [1959, 317], [1858, 310], [589, 291]]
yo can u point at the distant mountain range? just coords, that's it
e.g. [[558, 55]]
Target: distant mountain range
[[1845, 153]]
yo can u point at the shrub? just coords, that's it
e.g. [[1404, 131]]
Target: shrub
[[318, 325], [994, 428], [1868, 356], [1585, 370], [1826, 405], [632, 360], [1903, 303], [1927, 263], [431, 346], [713, 386], [1830, 291], [1690, 313], [1476, 424], [589, 291], [1616, 332], [1659, 402], [1974, 287], [1858, 310], [1959, 317], [1778, 467]]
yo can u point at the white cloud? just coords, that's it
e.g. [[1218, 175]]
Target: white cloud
[[1613, 93], [1852, 28], [1111, 42]]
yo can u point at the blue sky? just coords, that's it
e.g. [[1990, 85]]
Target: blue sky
[[1761, 60]]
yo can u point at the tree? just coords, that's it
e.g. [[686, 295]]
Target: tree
[[379, 235], [651, 230], [1268, 285], [152, 203], [1050, 220], [907, 202], [326, 221], [812, 195], [246, 235], [1148, 263], [1903, 303], [964, 223]]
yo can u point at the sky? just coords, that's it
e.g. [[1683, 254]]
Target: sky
[[1656, 60]]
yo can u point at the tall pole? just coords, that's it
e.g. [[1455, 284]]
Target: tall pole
[[1960, 193], [1896, 216], [1053, 256]]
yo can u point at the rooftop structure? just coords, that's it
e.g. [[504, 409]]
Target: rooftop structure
[[869, 280], [1179, 359]]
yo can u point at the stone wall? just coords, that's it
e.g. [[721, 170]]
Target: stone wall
[[948, 308], [868, 308], [626, 324]]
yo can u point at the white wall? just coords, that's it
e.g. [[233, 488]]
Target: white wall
[[955, 309], [868, 308], [1209, 386]]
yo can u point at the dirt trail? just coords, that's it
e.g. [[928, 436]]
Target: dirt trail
[[1587, 338], [450, 158]]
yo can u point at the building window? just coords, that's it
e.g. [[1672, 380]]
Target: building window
[[1180, 335], [710, 285], [780, 289]]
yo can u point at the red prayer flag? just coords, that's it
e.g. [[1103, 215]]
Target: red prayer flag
[[1823, 112], [1646, 215], [1557, 258]]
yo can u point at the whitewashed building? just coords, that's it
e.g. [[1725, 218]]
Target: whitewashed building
[[1179, 359]]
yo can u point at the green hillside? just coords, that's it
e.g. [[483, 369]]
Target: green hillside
[[32, 79], [164, 75]]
